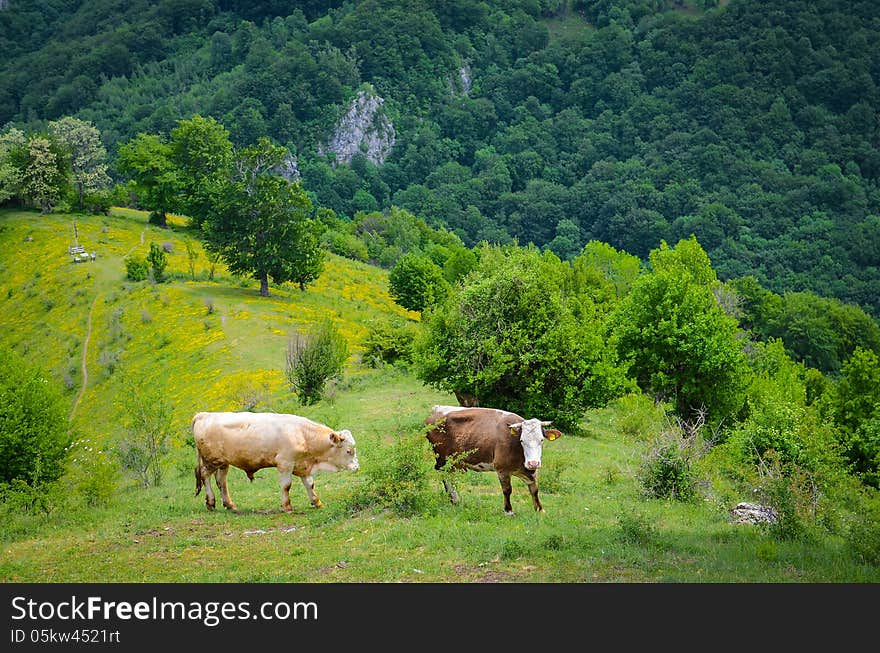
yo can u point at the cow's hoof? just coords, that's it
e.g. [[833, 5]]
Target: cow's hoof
[[209, 506], [287, 509], [509, 513], [318, 503], [232, 508]]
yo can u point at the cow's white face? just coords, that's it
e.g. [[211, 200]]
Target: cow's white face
[[531, 436], [342, 455]]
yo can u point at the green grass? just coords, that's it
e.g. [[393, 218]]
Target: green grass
[[597, 527]]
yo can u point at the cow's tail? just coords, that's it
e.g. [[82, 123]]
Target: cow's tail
[[199, 462], [198, 474]]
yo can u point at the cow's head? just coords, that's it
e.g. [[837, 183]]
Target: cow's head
[[531, 435], [342, 455]]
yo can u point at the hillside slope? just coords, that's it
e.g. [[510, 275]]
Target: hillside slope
[[208, 345]]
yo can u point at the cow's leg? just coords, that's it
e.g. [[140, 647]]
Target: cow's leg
[[504, 477], [309, 484], [224, 489], [210, 502], [450, 490], [285, 478], [533, 490]]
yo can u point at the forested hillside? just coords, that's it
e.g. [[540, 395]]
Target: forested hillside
[[751, 124]]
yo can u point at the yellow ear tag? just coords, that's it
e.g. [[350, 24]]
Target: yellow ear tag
[[551, 435], [513, 431]]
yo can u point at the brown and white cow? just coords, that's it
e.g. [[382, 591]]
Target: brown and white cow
[[489, 439], [294, 445]]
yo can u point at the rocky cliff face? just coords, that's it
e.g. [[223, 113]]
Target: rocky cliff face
[[363, 128]]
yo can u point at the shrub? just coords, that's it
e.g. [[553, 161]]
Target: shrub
[[345, 244], [863, 534], [315, 358], [637, 416], [666, 471], [416, 282], [792, 491], [94, 475], [148, 427], [158, 260], [400, 481], [33, 423], [136, 268], [389, 341]]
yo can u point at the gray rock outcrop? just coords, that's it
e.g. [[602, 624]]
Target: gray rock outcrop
[[364, 128], [752, 513]]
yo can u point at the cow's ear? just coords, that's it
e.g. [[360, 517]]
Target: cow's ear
[[552, 434], [516, 429]]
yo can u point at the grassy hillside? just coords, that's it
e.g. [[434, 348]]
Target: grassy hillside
[[215, 345]]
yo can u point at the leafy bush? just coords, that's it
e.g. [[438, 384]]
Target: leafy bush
[[148, 428], [158, 260], [637, 416], [863, 534], [136, 268], [34, 431], [665, 473], [400, 481], [315, 358], [389, 341], [345, 244], [416, 282], [94, 475], [792, 491]]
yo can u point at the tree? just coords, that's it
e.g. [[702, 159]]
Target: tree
[[34, 431], [680, 345], [307, 260], [259, 221], [192, 255], [512, 338], [201, 150], [416, 282], [10, 174], [88, 157], [43, 175], [147, 158]]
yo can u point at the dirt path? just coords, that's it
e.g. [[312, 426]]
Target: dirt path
[[85, 371], [133, 247]]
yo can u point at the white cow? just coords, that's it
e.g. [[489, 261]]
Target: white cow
[[294, 445]]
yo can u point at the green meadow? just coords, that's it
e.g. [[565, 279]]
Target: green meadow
[[208, 341]]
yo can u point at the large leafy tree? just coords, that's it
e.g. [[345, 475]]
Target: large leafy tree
[[43, 168], [11, 141], [147, 158], [88, 156], [680, 344], [201, 150], [513, 339], [259, 222]]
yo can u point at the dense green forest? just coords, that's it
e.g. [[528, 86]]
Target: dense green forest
[[750, 124]]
